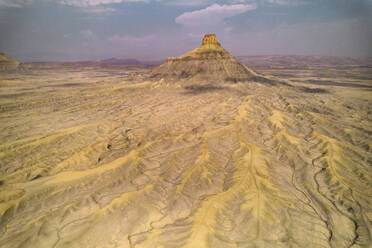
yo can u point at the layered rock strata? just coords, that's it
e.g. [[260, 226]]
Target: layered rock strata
[[7, 65], [208, 63]]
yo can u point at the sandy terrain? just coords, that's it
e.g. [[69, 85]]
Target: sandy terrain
[[104, 158]]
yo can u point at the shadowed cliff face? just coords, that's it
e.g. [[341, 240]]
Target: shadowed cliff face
[[208, 63], [92, 159]]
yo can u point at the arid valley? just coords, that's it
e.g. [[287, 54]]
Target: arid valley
[[137, 156]]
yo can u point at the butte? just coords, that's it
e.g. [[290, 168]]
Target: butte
[[206, 64]]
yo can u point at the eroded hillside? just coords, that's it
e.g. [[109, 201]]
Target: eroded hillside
[[95, 159]]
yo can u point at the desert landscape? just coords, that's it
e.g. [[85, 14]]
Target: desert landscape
[[200, 151]]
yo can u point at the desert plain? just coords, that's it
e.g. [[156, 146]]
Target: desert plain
[[94, 156]]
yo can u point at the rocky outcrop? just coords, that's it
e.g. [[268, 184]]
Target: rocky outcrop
[[210, 39], [7, 65], [208, 63]]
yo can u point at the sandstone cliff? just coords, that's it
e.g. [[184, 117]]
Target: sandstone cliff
[[7, 65]]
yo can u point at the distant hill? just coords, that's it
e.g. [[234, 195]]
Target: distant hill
[[303, 62], [111, 62], [115, 61], [254, 62]]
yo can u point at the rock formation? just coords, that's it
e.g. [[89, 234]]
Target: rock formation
[[208, 63], [7, 65]]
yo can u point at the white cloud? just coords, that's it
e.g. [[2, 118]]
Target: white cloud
[[288, 2], [273, 2], [212, 15], [241, 1], [14, 3], [98, 10], [284, 2], [189, 2], [89, 3]]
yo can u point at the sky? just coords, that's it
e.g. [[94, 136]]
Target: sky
[[71, 30]]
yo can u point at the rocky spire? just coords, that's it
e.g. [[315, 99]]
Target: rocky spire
[[210, 39], [7, 65]]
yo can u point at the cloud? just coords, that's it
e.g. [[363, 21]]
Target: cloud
[[14, 3], [189, 2], [286, 2], [241, 1], [89, 3], [273, 2], [98, 10], [212, 15]]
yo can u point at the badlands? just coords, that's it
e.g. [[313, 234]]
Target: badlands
[[201, 151]]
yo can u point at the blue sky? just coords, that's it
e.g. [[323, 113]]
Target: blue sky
[[61, 30]]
